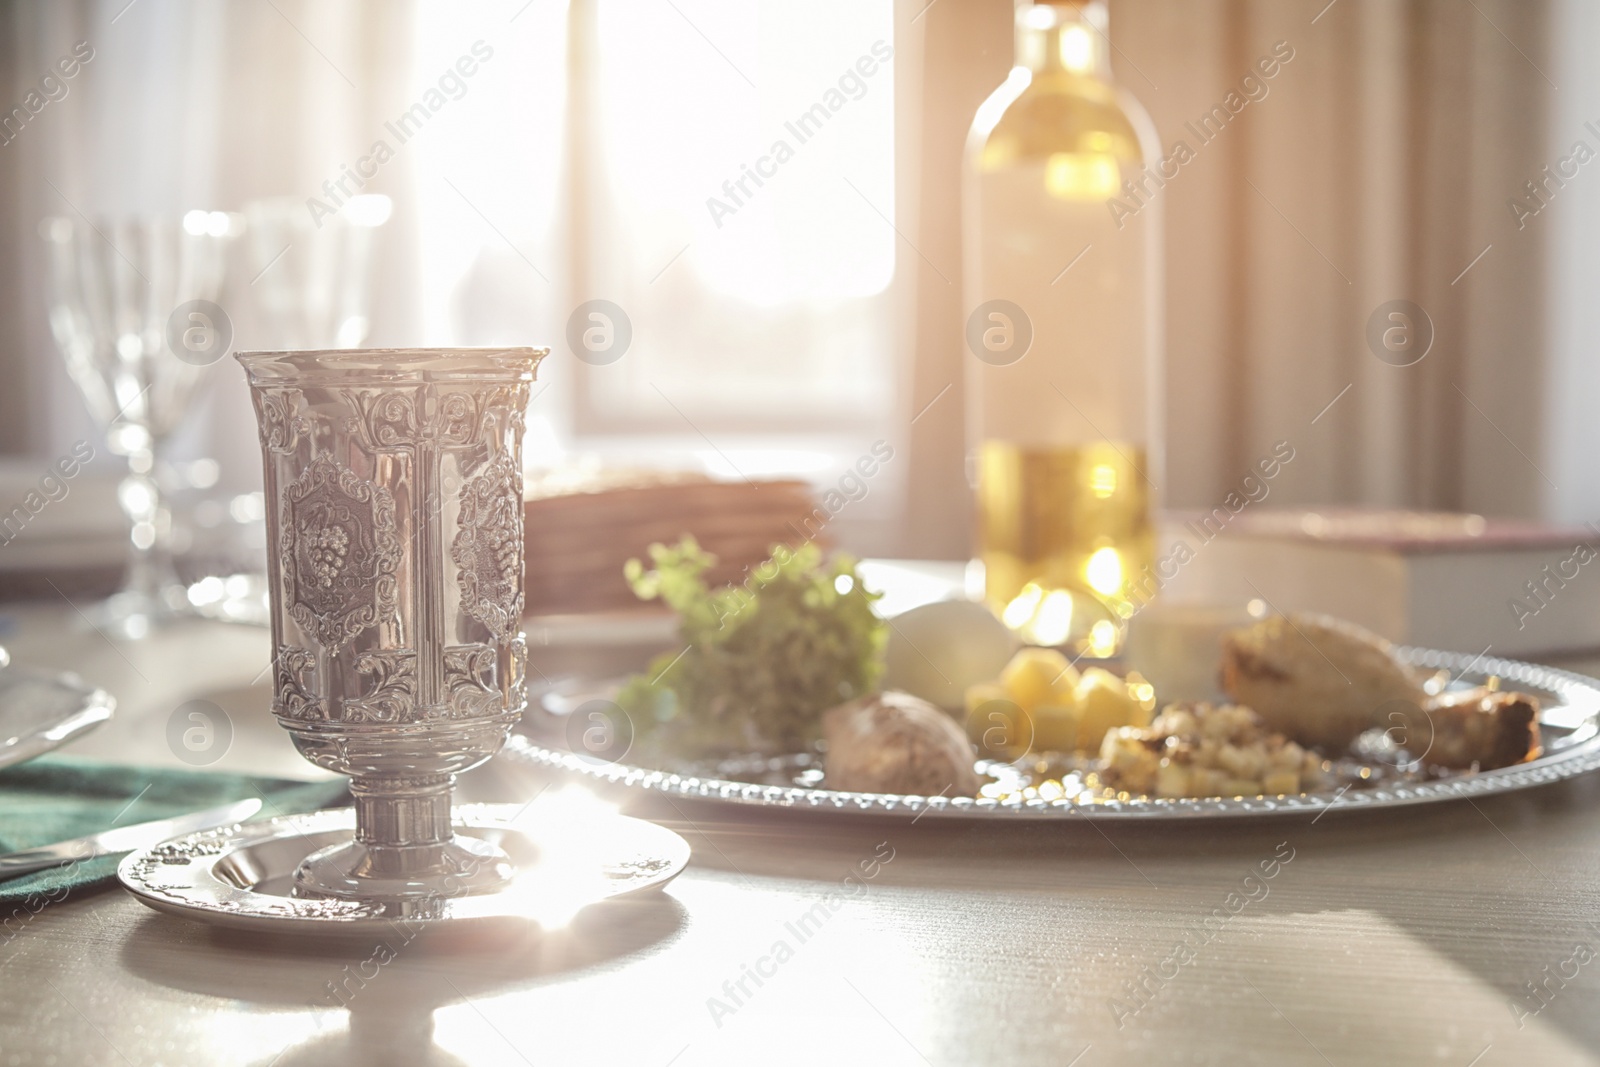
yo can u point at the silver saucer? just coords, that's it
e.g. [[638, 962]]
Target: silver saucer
[[242, 876]]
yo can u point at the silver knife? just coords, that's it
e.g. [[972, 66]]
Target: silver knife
[[123, 838]]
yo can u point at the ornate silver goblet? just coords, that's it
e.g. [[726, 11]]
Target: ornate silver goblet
[[394, 529]]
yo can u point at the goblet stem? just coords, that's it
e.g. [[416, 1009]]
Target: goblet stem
[[404, 847], [405, 816]]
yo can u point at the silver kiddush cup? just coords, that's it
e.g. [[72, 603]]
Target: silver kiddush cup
[[394, 533]]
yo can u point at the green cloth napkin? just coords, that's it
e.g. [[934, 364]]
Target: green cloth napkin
[[54, 798]]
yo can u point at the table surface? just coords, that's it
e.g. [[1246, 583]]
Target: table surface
[[1458, 934]]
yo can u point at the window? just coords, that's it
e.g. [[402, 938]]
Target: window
[[727, 181]]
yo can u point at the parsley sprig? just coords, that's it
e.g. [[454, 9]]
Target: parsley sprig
[[763, 660]]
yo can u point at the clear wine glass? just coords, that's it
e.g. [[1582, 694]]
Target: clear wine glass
[[311, 277], [134, 313]]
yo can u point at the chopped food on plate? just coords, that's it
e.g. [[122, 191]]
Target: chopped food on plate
[[1042, 703], [1206, 750]]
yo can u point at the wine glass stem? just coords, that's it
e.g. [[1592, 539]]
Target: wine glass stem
[[150, 571]]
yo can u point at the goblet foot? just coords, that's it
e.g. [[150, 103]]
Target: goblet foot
[[358, 871]]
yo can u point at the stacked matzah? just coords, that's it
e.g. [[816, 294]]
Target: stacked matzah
[[579, 532]]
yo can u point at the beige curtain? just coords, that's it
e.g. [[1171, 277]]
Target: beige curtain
[[1376, 168]]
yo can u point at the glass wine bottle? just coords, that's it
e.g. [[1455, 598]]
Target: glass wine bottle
[[1063, 290]]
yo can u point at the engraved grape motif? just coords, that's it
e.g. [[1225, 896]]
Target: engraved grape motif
[[488, 547], [340, 552], [327, 547]]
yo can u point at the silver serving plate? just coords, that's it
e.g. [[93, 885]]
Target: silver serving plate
[[242, 876], [43, 710], [1569, 722]]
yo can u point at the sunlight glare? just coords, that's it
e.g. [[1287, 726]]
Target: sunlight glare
[[567, 825], [1103, 572], [1053, 621]]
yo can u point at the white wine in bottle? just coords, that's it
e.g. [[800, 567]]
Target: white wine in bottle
[[1063, 291]]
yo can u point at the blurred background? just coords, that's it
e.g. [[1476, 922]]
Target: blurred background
[[566, 152]]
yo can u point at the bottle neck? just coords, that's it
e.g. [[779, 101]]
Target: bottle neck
[[1066, 38]]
